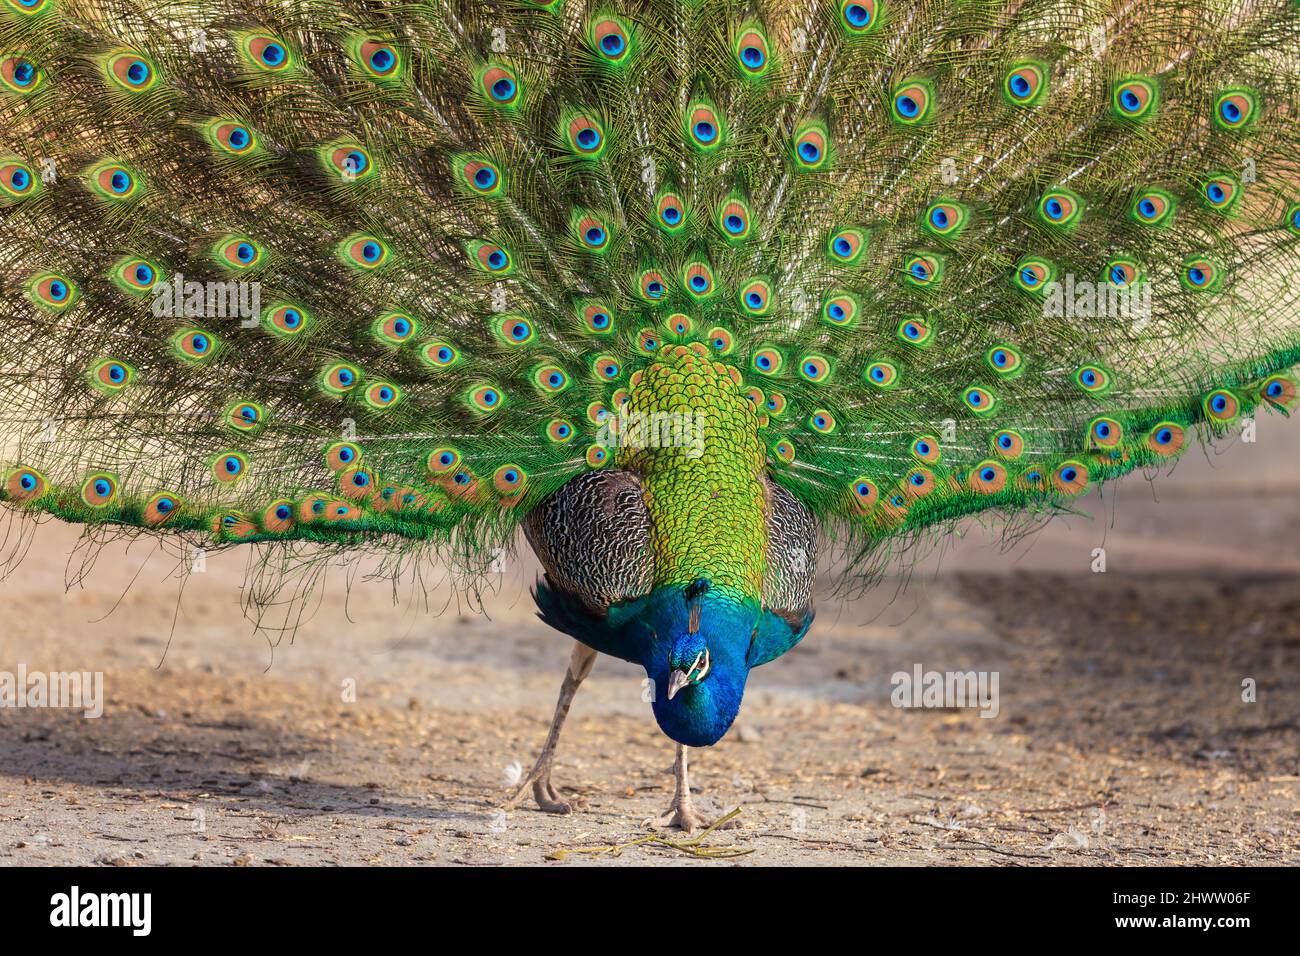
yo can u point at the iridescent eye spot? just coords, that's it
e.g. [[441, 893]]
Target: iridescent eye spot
[[1200, 274], [698, 280], [733, 220], [239, 253], [754, 297], [1235, 109], [680, 325], [1071, 478], [811, 148], [550, 379], [752, 53], [945, 218], [1220, 192], [881, 374], [379, 59], [559, 430], [500, 85], [822, 421], [1152, 208], [815, 368], [232, 137], [672, 215], [1004, 360], [342, 455], [1034, 275], [52, 291], [487, 398], [1134, 99], [442, 460], [351, 163], [1292, 219], [160, 508], [278, 517], [597, 413], [268, 53], [287, 320], [784, 451], [491, 258], [395, 328], [368, 252], [1092, 378], [922, 270], [112, 375], [720, 340], [1105, 433], [846, 246], [648, 342], [987, 478], [979, 400], [1025, 84], [1060, 208], [912, 102], [1221, 405], [114, 182], [383, 395], [99, 490], [136, 275], [610, 38], [230, 466], [509, 479], [597, 456], [195, 345], [774, 403], [339, 378], [514, 330], [1008, 444], [597, 318], [1278, 390], [840, 309], [593, 233], [606, 367], [653, 287], [915, 332], [927, 449], [918, 483], [481, 176], [1121, 272], [705, 128], [244, 416], [1166, 439], [440, 354], [24, 484], [130, 72], [16, 179], [858, 16], [864, 492], [767, 361], [585, 136], [20, 74]]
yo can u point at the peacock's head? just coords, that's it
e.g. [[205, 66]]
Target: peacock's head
[[696, 658]]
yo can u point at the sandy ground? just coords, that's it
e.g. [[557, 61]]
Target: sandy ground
[[387, 734]]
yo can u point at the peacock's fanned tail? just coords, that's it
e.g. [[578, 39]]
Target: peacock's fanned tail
[[383, 272]]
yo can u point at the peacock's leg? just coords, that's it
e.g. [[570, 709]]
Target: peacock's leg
[[539, 778], [681, 813]]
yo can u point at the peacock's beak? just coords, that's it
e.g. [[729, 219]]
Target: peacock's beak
[[676, 681]]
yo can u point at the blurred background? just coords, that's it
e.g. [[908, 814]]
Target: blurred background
[[389, 727]]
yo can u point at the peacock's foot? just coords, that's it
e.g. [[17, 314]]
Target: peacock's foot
[[683, 815], [546, 796]]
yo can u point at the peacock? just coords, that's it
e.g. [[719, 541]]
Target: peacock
[[683, 291]]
